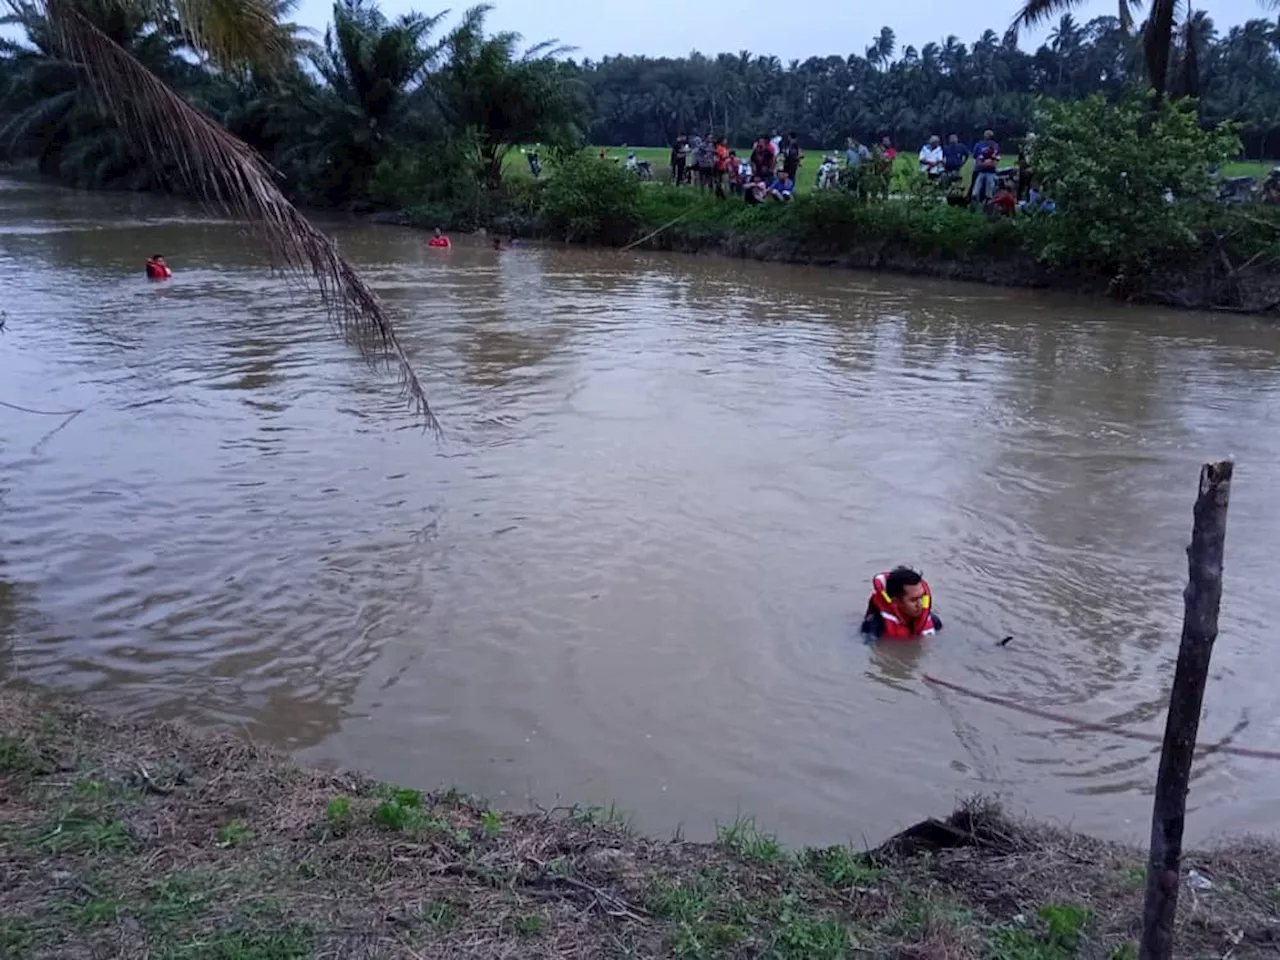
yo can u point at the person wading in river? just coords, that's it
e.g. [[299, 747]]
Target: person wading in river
[[901, 606]]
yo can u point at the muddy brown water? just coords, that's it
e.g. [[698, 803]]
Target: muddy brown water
[[632, 570]]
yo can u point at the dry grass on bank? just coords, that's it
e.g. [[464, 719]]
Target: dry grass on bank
[[144, 840]]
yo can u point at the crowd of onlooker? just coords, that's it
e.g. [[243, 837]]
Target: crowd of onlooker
[[769, 172]]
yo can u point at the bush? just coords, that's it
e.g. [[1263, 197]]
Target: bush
[[590, 199], [1130, 178]]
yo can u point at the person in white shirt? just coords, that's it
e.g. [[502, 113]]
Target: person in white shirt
[[932, 162]]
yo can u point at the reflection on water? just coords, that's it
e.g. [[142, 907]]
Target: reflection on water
[[634, 568]]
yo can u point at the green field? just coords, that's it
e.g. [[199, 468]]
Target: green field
[[659, 159]]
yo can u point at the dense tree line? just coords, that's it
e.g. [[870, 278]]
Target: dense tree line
[[910, 93], [389, 111], [375, 110]]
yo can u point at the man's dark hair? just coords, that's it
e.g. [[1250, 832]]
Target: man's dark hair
[[895, 585]]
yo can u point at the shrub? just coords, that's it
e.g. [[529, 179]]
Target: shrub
[[1130, 178], [588, 199]]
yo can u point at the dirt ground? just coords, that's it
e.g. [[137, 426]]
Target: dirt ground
[[148, 841]]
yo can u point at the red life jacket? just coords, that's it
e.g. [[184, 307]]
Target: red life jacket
[[896, 627], [158, 271], [438, 242]]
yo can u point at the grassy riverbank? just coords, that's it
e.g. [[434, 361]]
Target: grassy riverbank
[[145, 840]]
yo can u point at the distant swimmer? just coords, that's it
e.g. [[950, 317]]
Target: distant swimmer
[[901, 606], [157, 269], [439, 240]]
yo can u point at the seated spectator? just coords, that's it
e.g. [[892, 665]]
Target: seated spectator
[[756, 191], [782, 188], [1003, 203], [1036, 202], [932, 161]]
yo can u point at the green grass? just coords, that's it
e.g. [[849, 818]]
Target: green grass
[[840, 867], [19, 757], [232, 833], [1056, 938], [659, 158], [1249, 168], [516, 165], [745, 839], [287, 944], [79, 831]]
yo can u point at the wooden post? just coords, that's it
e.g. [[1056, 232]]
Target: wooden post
[[1199, 630]]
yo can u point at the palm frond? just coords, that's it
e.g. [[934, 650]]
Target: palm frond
[[1126, 13], [1038, 11], [227, 175]]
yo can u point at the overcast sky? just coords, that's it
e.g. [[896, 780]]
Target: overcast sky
[[789, 30]]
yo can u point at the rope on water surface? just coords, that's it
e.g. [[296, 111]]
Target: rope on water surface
[[43, 413], [1205, 749], [68, 416], [669, 223]]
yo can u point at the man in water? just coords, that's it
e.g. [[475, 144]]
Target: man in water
[[901, 606], [157, 269]]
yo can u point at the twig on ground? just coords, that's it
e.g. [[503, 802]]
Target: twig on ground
[[150, 784]]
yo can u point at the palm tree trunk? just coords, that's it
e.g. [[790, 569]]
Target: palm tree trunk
[[1159, 45]]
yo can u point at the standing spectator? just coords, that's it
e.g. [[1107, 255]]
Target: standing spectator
[[1026, 173], [707, 165], [986, 162], [679, 156], [954, 156], [855, 152], [762, 160], [736, 171], [695, 160], [887, 149], [775, 142], [721, 166], [986, 147], [791, 155], [932, 162]]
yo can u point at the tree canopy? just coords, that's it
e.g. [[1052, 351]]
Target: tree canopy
[[943, 87]]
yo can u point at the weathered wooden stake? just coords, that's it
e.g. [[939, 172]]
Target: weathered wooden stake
[[1199, 630]]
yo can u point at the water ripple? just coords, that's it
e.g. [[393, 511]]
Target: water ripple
[[633, 568]]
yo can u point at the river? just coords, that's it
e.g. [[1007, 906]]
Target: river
[[632, 569]]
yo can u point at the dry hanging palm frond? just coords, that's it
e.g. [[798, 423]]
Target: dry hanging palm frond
[[227, 175]]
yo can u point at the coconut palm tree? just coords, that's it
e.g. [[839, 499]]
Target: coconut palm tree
[[1157, 33], [489, 90], [213, 166], [55, 121], [369, 66]]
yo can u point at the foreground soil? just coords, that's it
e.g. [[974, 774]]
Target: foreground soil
[[145, 840]]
